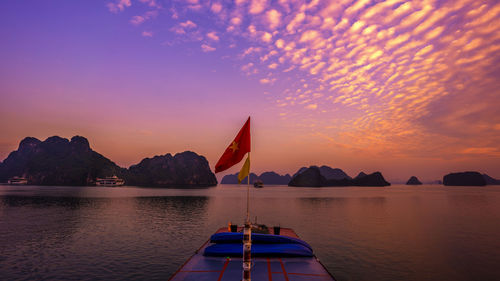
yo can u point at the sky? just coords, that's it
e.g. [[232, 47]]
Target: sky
[[402, 87]]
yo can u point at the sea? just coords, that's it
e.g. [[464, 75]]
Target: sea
[[427, 232]]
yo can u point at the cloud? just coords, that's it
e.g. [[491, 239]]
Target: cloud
[[147, 34], [207, 48], [297, 20], [383, 71], [274, 18], [309, 35], [257, 6], [267, 37], [216, 7], [251, 50], [183, 26], [136, 20], [235, 21], [119, 6], [265, 81], [151, 3], [213, 36], [312, 106], [273, 66], [188, 24], [280, 43]]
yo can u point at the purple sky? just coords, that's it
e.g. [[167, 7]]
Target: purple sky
[[404, 87]]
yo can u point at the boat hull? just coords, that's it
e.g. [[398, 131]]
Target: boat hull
[[200, 267]]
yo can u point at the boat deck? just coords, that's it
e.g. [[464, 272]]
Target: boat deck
[[200, 267]]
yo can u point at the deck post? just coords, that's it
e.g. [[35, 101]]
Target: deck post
[[247, 254], [247, 237]]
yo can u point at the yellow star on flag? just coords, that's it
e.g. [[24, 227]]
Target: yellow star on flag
[[234, 146]]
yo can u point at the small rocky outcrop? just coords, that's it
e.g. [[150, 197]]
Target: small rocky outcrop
[[233, 179], [186, 169], [491, 181], [374, 179], [310, 177], [464, 179], [413, 181]]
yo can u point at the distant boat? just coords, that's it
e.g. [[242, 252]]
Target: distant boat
[[258, 184], [18, 181], [109, 181]]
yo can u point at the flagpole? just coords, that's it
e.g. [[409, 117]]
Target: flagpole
[[247, 235], [248, 193]]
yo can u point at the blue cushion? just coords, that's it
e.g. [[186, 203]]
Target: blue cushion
[[258, 250], [257, 238]]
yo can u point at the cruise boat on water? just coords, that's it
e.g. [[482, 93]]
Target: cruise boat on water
[[18, 181], [251, 252], [282, 256], [258, 184], [109, 181]]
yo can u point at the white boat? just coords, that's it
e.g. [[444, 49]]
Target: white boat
[[258, 184], [18, 181], [109, 181]]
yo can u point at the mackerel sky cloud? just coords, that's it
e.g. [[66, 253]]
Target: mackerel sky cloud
[[366, 74], [396, 86]]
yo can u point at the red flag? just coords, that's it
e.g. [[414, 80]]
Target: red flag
[[236, 150]]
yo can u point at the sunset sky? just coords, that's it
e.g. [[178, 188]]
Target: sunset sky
[[402, 87]]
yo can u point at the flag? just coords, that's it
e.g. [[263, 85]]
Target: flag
[[236, 150], [245, 170]]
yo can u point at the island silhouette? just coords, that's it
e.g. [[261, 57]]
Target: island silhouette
[[59, 161]]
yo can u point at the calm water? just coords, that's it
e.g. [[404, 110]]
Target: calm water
[[394, 233]]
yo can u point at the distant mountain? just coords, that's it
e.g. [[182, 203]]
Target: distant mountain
[[490, 181], [327, 172], [272, 178], [59, 161], [233, 179], [312, 177], [464, 179], [413, 181], [186, 169]]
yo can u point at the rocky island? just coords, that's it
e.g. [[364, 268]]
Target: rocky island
[[59, 161], [268, 178], [314, 177], [464, 179], [186, 169], [413, 181]]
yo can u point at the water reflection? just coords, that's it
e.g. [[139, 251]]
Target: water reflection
[[359, 234], [110, 238]]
